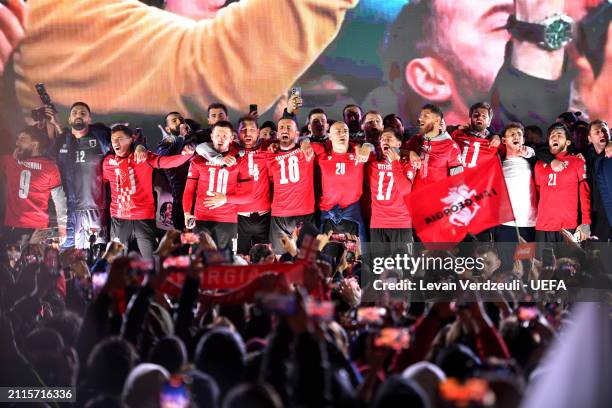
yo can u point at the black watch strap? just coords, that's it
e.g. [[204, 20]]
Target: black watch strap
[[523, 31]]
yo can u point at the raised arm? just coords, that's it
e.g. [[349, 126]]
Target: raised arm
[[170, 162], [231, 45]]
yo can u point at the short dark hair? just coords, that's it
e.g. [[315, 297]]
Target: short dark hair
[[482, 105], [597, 122], [259, 252], [534, 129], [37, 135], [412, 35], [559, 126], [122, 128], [291, 118], [247, 118], [370, 112], [394, 131], [83, 104], [268, 123], [351, 105], [217, 105], [569, 117], [513, 125], [223, 124], [316, 111], [387, 120], [172, 113], [433, 109]]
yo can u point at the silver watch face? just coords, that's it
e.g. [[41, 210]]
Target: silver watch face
[[557, 32]]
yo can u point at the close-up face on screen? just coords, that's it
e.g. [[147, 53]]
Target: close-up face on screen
[[291, 203]]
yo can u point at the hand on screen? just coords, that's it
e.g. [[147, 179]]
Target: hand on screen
[[595, 92], [12, 22]]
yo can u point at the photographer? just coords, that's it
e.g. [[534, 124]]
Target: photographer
[[79, 151]]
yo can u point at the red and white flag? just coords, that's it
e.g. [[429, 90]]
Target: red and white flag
[[469, 202]]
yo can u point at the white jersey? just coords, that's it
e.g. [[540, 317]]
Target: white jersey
[[521, 190]]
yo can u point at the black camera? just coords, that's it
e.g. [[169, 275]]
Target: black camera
[[39, 114]]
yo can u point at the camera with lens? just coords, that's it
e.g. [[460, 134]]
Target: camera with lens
[[39, 114]]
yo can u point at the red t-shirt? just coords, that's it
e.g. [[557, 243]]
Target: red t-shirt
[[341, 177], [131, 183], [559, 193], [256, 161], [438, 156], [474, 149], [28, 188], [292, 177], [389, 184], [204, 176]]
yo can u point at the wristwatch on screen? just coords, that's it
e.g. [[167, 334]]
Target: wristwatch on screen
[[554, 33]]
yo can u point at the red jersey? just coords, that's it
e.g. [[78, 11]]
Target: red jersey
[[131, 183], [389, 184], [474, 149], [559, 193], [440, 157], [341, 177], [205, 176], [293, 178], [28, 189], [256, 161]]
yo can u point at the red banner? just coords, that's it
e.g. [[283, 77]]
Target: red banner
[[469, 202], [266, 283], [231, 276]]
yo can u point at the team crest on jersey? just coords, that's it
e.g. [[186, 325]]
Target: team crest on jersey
[[455, 199], [93, 143]]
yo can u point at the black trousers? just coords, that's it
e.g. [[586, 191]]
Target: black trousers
[[223, 233], [548, 236], [141, 231], [285, 225], [398, 240], [254, 229], [506, 233]]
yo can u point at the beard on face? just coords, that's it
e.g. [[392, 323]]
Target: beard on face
[[78, 124], [22, 154], [478, 127], [426, 128], [175, 131], [372, 133], [317, 128], [352, 120]]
